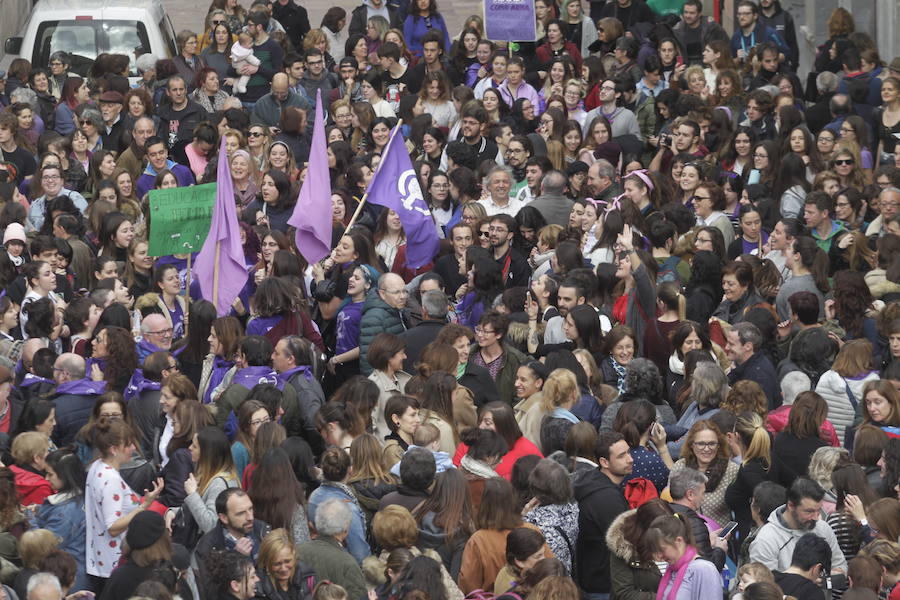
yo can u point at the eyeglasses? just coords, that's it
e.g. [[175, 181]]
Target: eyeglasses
[[608, 88], [706, 445], [844, 161], [258, 422], [176, 366], [703, 241], [484, 234], [218, 22], [255, 134], [758, 155], [695, 198], [50, 177]]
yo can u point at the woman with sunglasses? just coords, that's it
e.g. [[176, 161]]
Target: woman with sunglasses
[[846, 166]]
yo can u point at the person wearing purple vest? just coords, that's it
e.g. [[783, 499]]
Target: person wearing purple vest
[[75, 397]]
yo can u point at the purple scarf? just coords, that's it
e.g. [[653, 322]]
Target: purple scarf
[[253, 376], [220, 368], [285, 376], [30, 380], [81, 387], [138, 384]]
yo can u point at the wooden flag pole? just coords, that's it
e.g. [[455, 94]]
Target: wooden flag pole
[[362, 202], [187, 293]]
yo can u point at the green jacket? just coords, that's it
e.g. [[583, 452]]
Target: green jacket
[[331, 562], [645, 113], [378, 317], [511, 360]]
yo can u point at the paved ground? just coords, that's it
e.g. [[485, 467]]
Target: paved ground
[[189, 14]]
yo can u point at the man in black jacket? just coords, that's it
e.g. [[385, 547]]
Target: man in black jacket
[[236, 530], [743, 349], [75, 397], [687, 487], [600, 501]]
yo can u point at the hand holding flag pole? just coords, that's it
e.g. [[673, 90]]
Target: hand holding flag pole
[[362, 201]]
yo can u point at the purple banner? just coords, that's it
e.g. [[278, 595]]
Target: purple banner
[[509, 20]]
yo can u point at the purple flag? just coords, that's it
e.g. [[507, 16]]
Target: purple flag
[[312, 213], [222, 249], [396, 186]]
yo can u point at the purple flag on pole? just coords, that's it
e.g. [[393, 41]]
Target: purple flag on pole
[[312, 213], [225, 233], [396, 186]]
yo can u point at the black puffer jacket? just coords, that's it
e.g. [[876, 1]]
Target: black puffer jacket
[[369, 494]]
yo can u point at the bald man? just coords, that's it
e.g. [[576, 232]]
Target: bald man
[[156, 336], [268, 108], [382, 313], [75, 397]]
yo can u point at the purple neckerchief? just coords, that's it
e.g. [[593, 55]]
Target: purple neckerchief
[[146, 348], [286, 375], [81, 387], [30, 379], [252, 376], [138, 384], [220, 368]]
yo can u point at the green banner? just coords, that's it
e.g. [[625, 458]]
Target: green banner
[[180, 219]]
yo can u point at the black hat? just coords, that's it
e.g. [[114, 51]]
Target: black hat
[[576, 167], [348, 61], [145, 528]]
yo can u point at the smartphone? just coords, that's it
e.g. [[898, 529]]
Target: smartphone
[[728, 529], [679, 61]]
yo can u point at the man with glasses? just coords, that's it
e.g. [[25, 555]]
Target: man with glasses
[[156, 336], [888, 204], [518, 152], [316, 77], [51, 186], [621, 120], [472, 121], [134, 158], [75, 397], [384, 312], [687, 487], [514, 268], [743, 343], [751, 32], [143, 394]]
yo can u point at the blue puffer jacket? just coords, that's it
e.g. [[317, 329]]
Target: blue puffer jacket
[[64, 515], [378, 317]]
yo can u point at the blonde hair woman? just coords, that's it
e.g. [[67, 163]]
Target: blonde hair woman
[[560, 393], [752, 443]]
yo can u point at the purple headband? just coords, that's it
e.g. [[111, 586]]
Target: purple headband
[[726, 109], [643, 176]]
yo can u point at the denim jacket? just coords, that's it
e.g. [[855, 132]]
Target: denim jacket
[[356, 539]]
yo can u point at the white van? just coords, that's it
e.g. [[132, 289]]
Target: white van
[[87, 28]]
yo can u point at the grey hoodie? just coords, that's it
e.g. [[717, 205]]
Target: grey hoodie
[[774, 544]]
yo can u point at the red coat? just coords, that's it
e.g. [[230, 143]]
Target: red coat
[[522, 447], [778, 418], [544, 54], [32, 488]]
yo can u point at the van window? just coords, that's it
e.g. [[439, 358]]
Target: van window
[[85, 39], [165, 29]]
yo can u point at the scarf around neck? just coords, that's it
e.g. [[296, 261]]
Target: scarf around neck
[[620, 374], [477, 467], [561, 413], [680, 567]]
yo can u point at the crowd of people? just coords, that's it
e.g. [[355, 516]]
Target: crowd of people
[[656, 355]]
